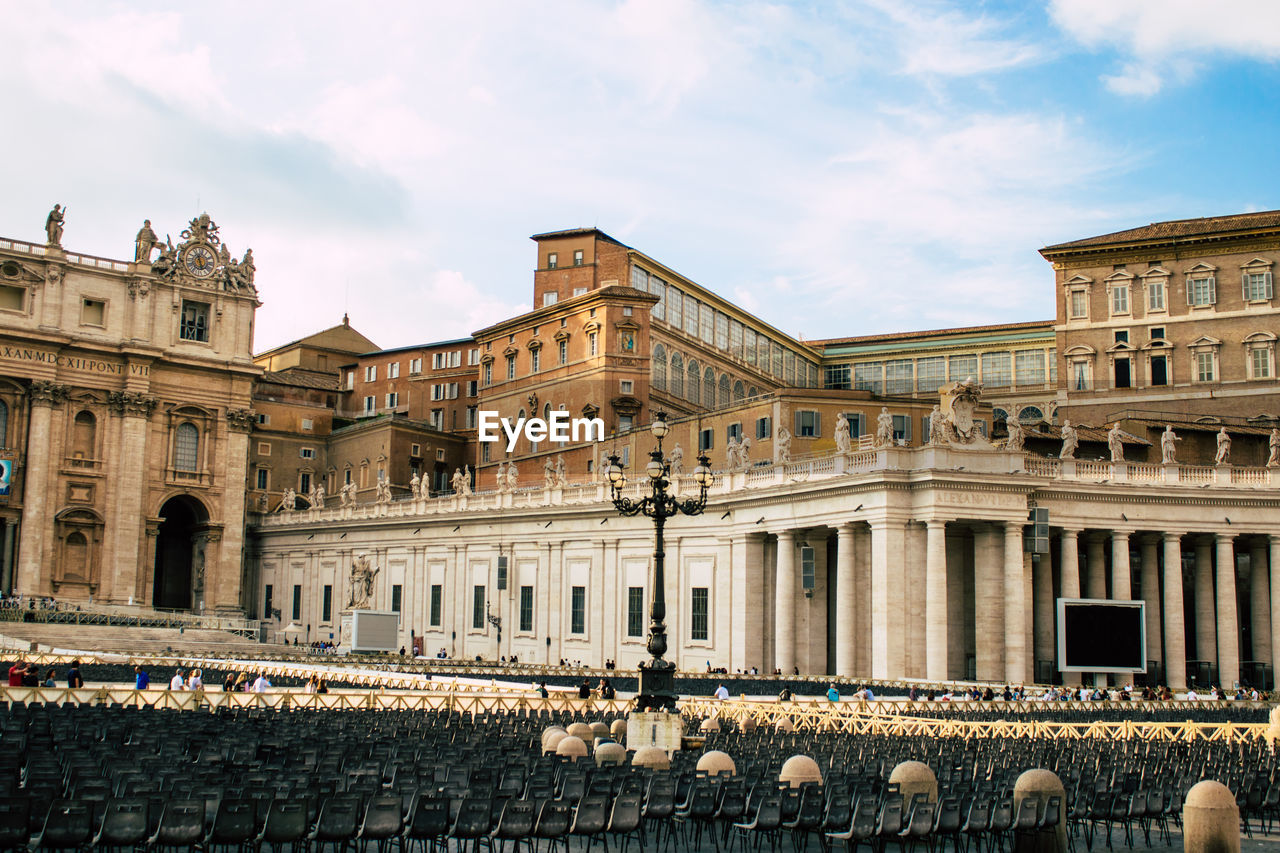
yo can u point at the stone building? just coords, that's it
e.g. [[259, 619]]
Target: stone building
[[125, 415]]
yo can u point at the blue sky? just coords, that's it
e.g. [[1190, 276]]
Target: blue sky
[[839, 168]]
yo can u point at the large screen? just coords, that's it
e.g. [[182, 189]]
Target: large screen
[[1097, 635], [374, 630]]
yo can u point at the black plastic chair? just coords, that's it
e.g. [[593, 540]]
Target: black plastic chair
[[337, 823], [515, 824], [15, 822], [286, 823], [124, 824], [235, 824], [590, 820], [428, 823], [862, 826], [472, 823], [764, 824], [919, 825], [625, 820], [67, 826], [946, 824], [383, 821], [554, 819], [181, 825]]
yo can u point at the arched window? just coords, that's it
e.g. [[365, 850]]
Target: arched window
[[724, 389], [1030, 415], [659, 367], [709, 389], [693, 393], [677, 375], [738, 393], [4, 424], [752, 392], [999, 414], [82, 436], [186, 448]]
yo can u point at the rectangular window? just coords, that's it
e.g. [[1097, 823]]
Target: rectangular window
[[550, 298], [995, 369], [1028, 365], [437, 602], [351, 379], [1204, 367], [488, 373], [12, 298], [1202, 290], [898, 376], [808, 425], [625, 422], [471, 417], [308, 423], [722, 331], [1257, 286], [397, 592], [961, 367], [393, 370], [553, 260], [808, 568], [869, 376], [577, 257], [304, 482], [415, 366], [706, 323], [735, 338], [1260, 358], [93, 312], [371, 373], [473, 356], [578, 610], [592, 346], [1080, 375], [836, 376], [764, 428], [733, 431], [1119, 299], [698, 614], [627, 386], [526, 608], [326, 604], [1155, 295], [635, 611], [706, 438], [266, 601], [369, 405], [195, 322], [902, 429], [477, 607], [297, 602], [511, 367], [535, 360], [931, 374], [1159, 370], [307, 453], [776, 350], [1079, 303], [437, 361], [749, 345], [393, 399]]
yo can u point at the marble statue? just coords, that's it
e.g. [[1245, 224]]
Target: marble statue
[[166, 264], [884, 427], [744, 452], [415, 486], [1115, 444], [782, 447], [144, 243], [731, 458], [317, 496], [961, 423], [843, 440], [1223, 456], [937, 426], [246, 270], [466, 479], [382, 494], [348, 494], [501, 476], [1168, 445], [1017, 437], [1273, 445], [560, 475], [262, 502], [362, 574], [675, 464], [53, 225], [549, 474], [455, 482], [513, 476], [1070, 441], [290, 500]]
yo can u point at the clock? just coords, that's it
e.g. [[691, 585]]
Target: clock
[[199, 261]]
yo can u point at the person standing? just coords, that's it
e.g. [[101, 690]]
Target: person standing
[[74, 679], [141, 681], [15, 673], [722, 693], [833, 695], [177, 682]]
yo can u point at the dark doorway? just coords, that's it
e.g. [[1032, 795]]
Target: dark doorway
[[1122, 373], [174, 549], [1159, 373]]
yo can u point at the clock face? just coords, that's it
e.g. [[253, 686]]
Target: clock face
[[199, 261]]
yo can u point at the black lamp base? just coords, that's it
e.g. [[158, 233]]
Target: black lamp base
[[657, 686]]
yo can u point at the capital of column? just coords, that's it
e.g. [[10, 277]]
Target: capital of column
[[786, 535], [131, 403], [1169, 536], [42, 392]]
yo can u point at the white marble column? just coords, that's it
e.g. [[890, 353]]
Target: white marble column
[[1228, 625], [1206, 631], [846, 601], [1097, 566], [1259, 602], [1070, 581], [1015, 615], [785, 604], [1149, 573], [988, 604], [935, 600], [1042, 594], [1175, 637], [1121, 575], [888, 649], [37, 524], [748, 616], [1274, 565]]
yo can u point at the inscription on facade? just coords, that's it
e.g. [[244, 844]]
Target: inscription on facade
[[73, 362]]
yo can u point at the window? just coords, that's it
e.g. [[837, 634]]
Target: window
[[93, 312], [471, 417], [1079, 303], [808, 568], [577, 257], [961, 367], [578, 610], [1028, 367], [1260, 362], [591, 344], [550, 298], [898, 376], [393, 370], [195, 322], [1205, 367], [676, 376], [351, 379], [84, 436], [698, 614], [1119, 299], [526, 608], [706, 439], [995, 369], [535, 360], [808, 425], [415, 366], [266, 601], [477, 607], [836, 376], [1202, 290], [733, 431], [326, 604], [931, 374], [307, 453], [1157, 333], [186, 448], [262, 479], [764, 428], [437, 418], [12, 298], [397, 593], [511, 367], [369, 405], [625, 422], [371, 373], [902, 428], [579, 291], [1080, 375], [553, 260], [1159, 370], [659, 363], [488, 373], [393, 399], [437, 600], [722, 331], [304, 482], [869, 376], [1155, 295], [297, 602], [693, 388], [1257, 286], [308, 423], [1123, 378], [635, 611], [709, 389]]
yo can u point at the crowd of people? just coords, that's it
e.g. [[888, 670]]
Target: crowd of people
[[26, 674]]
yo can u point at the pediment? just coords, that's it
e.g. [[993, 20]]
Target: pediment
[[1259, 337], [1080, 349], [1206, 341], [1202, 267], [1121, 346], [1157, 343], [1078, 279], [1257, 264], [1119, 276], [1156, 272]]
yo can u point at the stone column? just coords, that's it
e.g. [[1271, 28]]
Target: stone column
[[784, 654], [935, 600], [888, 651], [1070, 581], [1206, 636], [1228, 630], [1175, 638], [988, 605], [1259, 602], [1150, 577], [127, 515], [747, 645], [1096, 586], [1042, 594], [1274, 542], [1121, 576], [224, 594], [37, 520], [1015, 615], [846, 601]]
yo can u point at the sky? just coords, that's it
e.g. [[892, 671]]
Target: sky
[[838, 168]]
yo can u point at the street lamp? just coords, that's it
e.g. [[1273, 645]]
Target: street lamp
[[496, 621], [657, 678]]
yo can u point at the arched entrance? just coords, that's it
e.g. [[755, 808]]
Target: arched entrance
[[175, 551]]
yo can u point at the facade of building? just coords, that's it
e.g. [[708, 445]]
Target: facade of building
[[125, 405]]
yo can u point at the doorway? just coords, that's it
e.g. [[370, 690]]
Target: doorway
[[175, 548]]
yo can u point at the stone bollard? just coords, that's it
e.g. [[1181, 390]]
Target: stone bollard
[[716, 762], [799, 769], [915, 777], [570, 746], [785, 725], [581, 730], [551, 739], [653, 757], [1041, 785], [1211, 819], [618, 729], [600, 729], [710, 725], [610, 753]]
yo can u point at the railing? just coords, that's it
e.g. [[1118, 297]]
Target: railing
[[1250, 477], [1196, 474], [1146, 473], [1040, 466], [122, 616], [40, 250], [1086, 470]]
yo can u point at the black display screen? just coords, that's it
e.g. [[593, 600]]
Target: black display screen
[[1102, 637]]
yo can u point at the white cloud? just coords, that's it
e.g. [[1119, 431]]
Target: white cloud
[[933, 38], [1166, 38]]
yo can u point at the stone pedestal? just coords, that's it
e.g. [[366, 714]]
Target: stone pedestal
[[654, 728], [344, 633], [1041, 785], [1211, 819]]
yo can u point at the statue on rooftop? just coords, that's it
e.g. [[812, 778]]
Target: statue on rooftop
[[53, 225]]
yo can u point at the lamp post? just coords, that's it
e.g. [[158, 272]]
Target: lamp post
[[657, 678], [496, 621]]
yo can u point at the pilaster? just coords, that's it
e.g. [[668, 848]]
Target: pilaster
[[1175, 637]]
